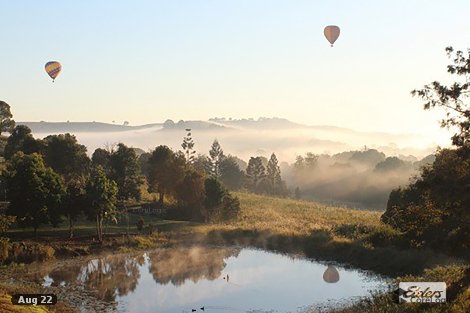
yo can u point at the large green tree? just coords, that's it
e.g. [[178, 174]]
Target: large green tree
[[190, 194], [69, 159], [6, 122], [101, 157], [21, 139], [101, 198], [74, 201], [165, 171], [144, 163], [66, 156], [230, 173], [35, 191], [125, 172]]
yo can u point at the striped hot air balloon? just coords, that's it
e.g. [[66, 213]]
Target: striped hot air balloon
[[53, 69], [331, 33]]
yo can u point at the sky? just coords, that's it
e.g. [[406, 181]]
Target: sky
[[147, 61]]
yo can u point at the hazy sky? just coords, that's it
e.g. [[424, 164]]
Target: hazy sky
[[146, 61]]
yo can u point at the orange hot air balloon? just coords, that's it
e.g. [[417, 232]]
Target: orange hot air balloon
[[331, 275], [53, 69], [331, 33]]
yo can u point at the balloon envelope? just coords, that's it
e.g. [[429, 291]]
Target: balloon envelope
[[331, 33], [331, 275], [53, 68]]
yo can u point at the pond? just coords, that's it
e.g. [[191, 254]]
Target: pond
[[212, 279]]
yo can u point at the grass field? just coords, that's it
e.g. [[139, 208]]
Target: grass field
[[295, 217]]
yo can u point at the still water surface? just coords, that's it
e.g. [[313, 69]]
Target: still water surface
[[177, 280]]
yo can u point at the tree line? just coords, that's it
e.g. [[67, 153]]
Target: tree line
[[259, 175], [52, 180]]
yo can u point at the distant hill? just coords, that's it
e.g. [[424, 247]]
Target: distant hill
[[240, 137], [194, 125], [97, 127], [260, 123], [71, 127]]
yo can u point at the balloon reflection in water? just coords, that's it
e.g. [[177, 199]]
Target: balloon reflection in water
[[331, 275]]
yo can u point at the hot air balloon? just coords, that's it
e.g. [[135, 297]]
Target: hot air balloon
[[53, 68], [331, 33], [331, 275]]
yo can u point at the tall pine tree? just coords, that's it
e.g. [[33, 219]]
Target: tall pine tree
[[188, 147], [216, 155], [273, 175], [255, 172]]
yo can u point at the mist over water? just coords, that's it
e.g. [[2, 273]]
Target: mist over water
[[228, 279]]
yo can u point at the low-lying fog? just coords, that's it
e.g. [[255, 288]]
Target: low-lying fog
[[353, 179], [243, 138]]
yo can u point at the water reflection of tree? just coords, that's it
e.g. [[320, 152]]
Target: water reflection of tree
[[112, 276], [180, 264], [118, 275]]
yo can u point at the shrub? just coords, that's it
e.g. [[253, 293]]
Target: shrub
[[215, 193], [379, 236], [317, 238], [43, 252], [26, 253], [230, 207], [143, 242], [385, 235], [220, 205], [352, 231]]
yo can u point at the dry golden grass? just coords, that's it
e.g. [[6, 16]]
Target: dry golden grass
[[8, 289], [292, 217], [7, 307]]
